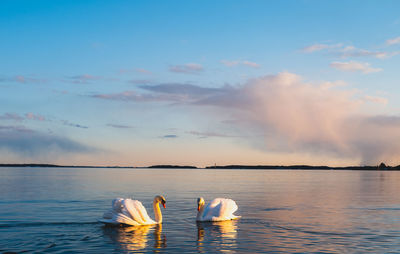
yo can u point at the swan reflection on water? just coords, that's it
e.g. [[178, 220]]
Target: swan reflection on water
[[221, 235], [135, 237]]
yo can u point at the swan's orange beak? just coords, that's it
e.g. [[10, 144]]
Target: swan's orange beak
[[198, 208], [163, 204]]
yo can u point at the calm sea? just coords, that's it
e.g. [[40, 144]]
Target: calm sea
[[55, 210]]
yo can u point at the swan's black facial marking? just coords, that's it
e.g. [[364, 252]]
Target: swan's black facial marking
[[163, 201]]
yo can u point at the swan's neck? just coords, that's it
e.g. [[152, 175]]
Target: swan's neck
[[157, 211], [200, 213]]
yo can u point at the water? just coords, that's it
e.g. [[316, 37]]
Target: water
[[55, 210]]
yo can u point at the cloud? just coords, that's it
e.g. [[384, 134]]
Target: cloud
[[127, 96], [169, 136], [376, 99], [354, 66], [174, 92], [251, 64], [143, 71], [137, 70], [11, 116], [67, 123], [27, 116], [237, 62], [120, 126], [319, 47], [288, 115], [180, 89], [83, 79], [32, 116], [23, 79], [230, 63], [189, 68], [141, 81], [393, 41], [210, 134], [28, 143], [348, 51]]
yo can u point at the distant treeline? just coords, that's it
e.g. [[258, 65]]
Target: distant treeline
[[170, 166], [34, 165], [381, 166]]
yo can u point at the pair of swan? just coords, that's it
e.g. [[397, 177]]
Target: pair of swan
[[132, 212]]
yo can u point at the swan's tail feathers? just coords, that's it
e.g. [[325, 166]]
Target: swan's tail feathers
[[108, 215], [123, 219]]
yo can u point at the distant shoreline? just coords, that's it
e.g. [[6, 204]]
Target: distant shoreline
[[380, 167]]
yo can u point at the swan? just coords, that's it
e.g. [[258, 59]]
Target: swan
[[132, 212], [219, 209]]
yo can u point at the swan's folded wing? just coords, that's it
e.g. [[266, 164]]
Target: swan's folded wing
[[212, 209], [220, 209], [228, 207], [135, 210]]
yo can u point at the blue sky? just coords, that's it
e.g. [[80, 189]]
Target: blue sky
[[189, 82]]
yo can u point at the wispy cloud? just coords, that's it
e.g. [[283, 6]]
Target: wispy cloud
[[169, 136], [143, 71], [67, 123], [136, 70], [351, 51], [140, 81], [173, 92], [393, 41], [127, 96], [231, 63], [33, 116], [347, 51], [83, 79], [11, 116], [25, 79], [27, 116], [376, 99], [29, 143], [120, 126], [319, 47], [354, 66], [189, 68], [206, 134]]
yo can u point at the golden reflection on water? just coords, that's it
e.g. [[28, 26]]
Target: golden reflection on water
[[136, 237], [222, 233]]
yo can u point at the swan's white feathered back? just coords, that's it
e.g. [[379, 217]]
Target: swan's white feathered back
[[127, 211], [219, 209]]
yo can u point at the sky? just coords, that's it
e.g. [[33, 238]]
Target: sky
[[139, 83]]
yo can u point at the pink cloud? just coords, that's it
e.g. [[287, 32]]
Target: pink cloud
[[32, 116], [237, 62], [289, 115], [354, 66], [189, 68]]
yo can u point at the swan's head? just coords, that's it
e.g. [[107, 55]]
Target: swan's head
[[200, 203], [160, 199]]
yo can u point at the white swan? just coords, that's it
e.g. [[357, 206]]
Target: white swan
[[219, 209], [132, 212]]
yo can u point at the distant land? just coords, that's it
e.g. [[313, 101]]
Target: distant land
[[381, 166], [37, 165]]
